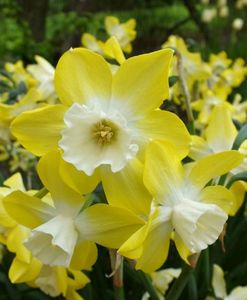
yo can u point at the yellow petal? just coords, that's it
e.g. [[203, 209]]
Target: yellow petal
[[15, 182], [22, 272], [64, 198], [82, 76], [182, 249], [157, 126], [163, 172], [126, 189], [39, 130], [107, 225], [78, 180], [155, 247], [141, 82], [221, 131], [239, 189], [133, 247], [110, 22], [199, 148], [27, 210], [113, 50], [220, 196], [79, 279], [84, 256], [14, 243], [214, 165]]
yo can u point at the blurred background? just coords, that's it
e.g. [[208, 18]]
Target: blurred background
[[49, 27]]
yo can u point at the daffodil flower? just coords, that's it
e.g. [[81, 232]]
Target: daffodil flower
[[220, 136], [182, 207], [59, 234], [219, 286], [161, 281], [124, 32], [43, 72], [106, 120], [90, 42]]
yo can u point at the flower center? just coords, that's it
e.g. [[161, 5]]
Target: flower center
[[104, 132]]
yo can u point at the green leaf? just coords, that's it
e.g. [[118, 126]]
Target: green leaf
[[242, 136], [240, 176]]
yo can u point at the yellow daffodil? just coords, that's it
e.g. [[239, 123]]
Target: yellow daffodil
[[20, 74], [219, 286], [220, 136], [124, 32], [90, 42], [55, 281], [71, 246], [161, 280], [105, 122], [194, 67], [182, 205], [43, 72]]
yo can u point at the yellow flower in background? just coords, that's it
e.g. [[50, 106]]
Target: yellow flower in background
[[194, 67], [90, 42], [125, 33], [43, 72], [219, 287], [20, 74], [161, 281], [55, 281], [219, 136], [105, 122]]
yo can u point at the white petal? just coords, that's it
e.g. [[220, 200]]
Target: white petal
[[47, 281], [218, 282], [239, 293], [53, 242], [198, 224], [82, 149]]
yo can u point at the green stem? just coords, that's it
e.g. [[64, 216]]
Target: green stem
[[186, 92], [117, 274], [179, 284], [41, 193], [146, 281], [206, 267]]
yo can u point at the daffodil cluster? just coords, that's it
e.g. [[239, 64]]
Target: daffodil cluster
[[116, 168]]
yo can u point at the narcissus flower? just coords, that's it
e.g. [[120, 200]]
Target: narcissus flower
[[105, 120], [43, 72], [124, 32], [47, 242], [219, 286], [182, 205]]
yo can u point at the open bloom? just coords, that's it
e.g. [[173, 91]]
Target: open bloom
[[219, 286], [56, 237], [106, 119], [182, 205], [124, 32]]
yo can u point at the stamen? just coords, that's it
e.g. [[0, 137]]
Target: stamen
[[104, 132]]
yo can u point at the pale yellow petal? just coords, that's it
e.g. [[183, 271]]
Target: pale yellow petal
[[157, 126], [141, 82], [126, 189], [39, 130], [107, 225], [221, 131], [82, 76], [163, 172], [212, 166]]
